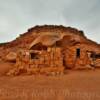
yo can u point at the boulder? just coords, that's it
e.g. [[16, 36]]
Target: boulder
[[11, 56]]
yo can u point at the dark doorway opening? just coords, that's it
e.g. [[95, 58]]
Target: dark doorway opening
[[78, 52], [34, 56]]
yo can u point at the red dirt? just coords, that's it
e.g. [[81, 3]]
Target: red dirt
[[75, 85], [5, 67]]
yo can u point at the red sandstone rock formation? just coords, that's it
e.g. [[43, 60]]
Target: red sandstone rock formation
[[75, 46], [24, 40]]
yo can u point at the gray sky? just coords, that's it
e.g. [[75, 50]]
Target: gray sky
[[16, 16]]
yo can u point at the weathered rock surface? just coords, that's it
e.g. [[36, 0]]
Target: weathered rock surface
[[66, 38]]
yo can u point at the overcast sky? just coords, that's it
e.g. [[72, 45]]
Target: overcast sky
[[16, 16]]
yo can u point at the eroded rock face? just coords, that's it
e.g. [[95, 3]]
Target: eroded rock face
[[76, 49], [24, 40]]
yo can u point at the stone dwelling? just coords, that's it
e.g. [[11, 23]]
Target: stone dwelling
[[55, 50]]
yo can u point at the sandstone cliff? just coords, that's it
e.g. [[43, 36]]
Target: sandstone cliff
[[24, 40]]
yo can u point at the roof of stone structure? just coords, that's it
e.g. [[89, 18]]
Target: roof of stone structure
[[55, 28], [29, 37]]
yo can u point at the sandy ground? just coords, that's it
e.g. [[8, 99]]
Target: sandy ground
[[75, 85], [4, 67]]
